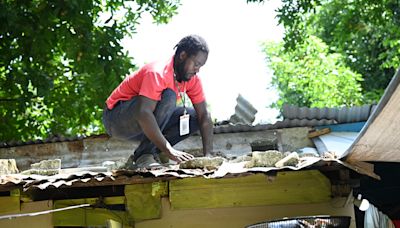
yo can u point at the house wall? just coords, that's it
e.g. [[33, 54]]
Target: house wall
[[40, 221], [243, 216], [210, 218]]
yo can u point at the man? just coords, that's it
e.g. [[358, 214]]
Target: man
[[144, 107]]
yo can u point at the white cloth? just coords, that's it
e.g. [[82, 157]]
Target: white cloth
[[376, 219]]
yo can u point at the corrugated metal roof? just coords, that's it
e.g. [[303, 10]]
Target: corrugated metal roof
[[39, 141], [88, 178], [341, 115], [244, 112], [227, 128], [233, 128], [294, 116]]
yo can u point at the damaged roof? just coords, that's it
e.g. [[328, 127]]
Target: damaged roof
[[223, 128], [340, 115], [379, 140], [86, 178]]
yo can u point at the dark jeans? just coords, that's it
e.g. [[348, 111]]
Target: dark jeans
[[120, 123]]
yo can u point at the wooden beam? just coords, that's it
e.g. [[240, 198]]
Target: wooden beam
[[143, 201], [84, 217], [319, 132], [92, 201], [90, 216], [290, 187], [9, 204], [114, 224]]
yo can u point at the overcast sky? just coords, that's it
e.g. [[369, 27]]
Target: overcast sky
[[233, 30]]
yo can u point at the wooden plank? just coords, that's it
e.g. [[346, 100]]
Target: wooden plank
[[143, 201], [88, 217], [317, 133], [24, 197], [293, 187], [363, 168], [106, 200], [9, 204], [114, 224]]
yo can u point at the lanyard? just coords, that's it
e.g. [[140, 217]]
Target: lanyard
[[182, 94]]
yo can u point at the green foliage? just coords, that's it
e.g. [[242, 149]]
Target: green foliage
[[311, 76], [59, 60], [365, 32]]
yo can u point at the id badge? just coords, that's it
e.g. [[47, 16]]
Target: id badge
[[184, 124]]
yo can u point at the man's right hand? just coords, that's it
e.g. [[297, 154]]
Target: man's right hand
[[179, 156]]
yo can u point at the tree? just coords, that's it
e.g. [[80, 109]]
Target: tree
[[59, 60], [311, 76], [368, 34], [365, 32]]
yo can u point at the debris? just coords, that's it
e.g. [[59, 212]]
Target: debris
[[45, 167], [114, 165], [110, 165], [264, 159], [330, 155], [8, 166], [308, 152], [202, 162], [47, 164], [42, 172], [244, 112], [290, 160], [246, 157]]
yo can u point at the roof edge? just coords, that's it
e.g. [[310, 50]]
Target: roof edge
[[394, 83]]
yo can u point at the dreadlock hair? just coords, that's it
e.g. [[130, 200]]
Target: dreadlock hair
[[191, 44]]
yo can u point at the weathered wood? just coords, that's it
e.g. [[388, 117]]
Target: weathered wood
[[114, 224], [23, 196], [288, 188], [143, 201], [41, 221], [379, 141], [317, 133], [362, 168], [9, 204], [92, 201], [89, 217]]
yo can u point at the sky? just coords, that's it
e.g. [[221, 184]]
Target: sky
[[236, 65]]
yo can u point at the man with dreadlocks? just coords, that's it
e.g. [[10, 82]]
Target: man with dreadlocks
[[144, 107]]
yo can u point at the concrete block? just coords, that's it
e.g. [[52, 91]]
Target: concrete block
[[8, 166]]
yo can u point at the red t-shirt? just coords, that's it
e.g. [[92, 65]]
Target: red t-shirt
[[151, 80]]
